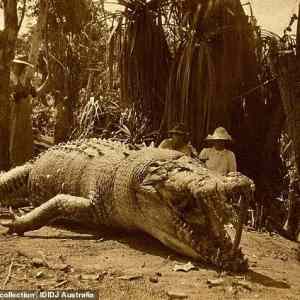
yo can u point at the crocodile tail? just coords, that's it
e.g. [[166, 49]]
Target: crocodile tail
[[14, 183]]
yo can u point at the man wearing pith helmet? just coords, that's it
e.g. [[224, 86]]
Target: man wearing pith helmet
[[178, 141], [217, 158]]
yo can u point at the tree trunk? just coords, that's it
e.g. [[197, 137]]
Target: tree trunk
[[7, 51], [296, 83], [64, 120], [4, 117]]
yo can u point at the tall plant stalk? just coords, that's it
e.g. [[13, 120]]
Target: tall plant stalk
[[144, 58]]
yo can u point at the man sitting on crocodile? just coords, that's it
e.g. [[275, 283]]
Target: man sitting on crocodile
[[161, 192]]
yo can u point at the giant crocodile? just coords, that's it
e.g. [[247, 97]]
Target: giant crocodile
[[104, 184]]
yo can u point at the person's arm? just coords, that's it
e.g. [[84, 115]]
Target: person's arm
[[203, 156], [232, 166]]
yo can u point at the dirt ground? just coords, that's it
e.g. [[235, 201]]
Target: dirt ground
[[138, 267]]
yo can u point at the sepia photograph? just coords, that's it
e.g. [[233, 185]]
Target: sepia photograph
[[149, 149]]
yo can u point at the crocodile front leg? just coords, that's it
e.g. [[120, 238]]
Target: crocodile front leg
[[59, 207]]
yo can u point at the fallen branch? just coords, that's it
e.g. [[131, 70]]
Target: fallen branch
[[60, 284], [9, 273]]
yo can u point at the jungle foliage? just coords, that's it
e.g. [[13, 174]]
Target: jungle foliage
[[133, 73]]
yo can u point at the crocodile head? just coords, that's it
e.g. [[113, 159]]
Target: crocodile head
[[185, 206]]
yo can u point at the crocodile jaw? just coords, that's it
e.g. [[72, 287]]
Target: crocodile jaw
[[162, 220], [186, 213], [174, 243]]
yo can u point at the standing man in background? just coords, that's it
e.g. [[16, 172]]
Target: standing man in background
[[217, 158], [178, 141]]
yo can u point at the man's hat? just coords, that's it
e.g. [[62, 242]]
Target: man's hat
[[220, 134], [179, 129]]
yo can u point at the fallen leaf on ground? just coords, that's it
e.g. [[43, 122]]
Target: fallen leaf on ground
[[176, 295], [185, 268], [89, 276], [130, 277], [215, 282]]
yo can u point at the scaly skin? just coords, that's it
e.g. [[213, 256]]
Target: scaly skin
[[161, 192]]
